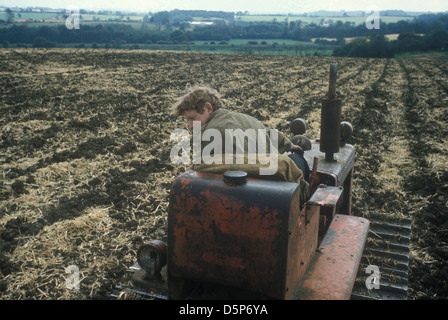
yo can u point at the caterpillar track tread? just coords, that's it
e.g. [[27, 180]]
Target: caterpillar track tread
[[387, 249]]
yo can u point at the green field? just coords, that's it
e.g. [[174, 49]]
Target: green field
[[268, 42], [246, 18], [31, 15], [317, 20], [60, 16], [107, 17]]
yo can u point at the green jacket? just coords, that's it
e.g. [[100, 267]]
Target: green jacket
[[223, 119], [286, 170]]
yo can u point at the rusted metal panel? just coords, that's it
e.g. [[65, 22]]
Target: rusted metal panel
[[332, 274], [302, 246], [336, 174], [326, 196], [339, 169], [235, 235], [346, 205]]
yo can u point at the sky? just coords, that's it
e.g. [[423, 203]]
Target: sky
[[252, 6]]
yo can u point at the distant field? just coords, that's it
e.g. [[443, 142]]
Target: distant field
[[59, 16], [135, 25], [282, 18], [31, 15], [106, 17], [270, 42], [349, 39], [248, 18]]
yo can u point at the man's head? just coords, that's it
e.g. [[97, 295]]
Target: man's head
[[198, 104]]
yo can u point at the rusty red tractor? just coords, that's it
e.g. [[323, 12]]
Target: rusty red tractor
[[236, 237]]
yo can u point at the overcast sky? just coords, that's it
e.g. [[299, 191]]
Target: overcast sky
[[253, 6]]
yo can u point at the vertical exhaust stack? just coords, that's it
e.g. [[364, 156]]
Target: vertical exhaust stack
[[330, 119]]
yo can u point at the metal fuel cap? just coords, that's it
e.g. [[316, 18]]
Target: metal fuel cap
[[235, 177]]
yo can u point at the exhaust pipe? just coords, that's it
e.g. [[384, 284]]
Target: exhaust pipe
[[331, 119]]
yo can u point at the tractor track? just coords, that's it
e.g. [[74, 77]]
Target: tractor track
[[428, 130], [386, 255], [406, 130]]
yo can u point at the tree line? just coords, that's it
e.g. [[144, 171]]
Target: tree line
[[378, 46], [434, 27], [427, 33]]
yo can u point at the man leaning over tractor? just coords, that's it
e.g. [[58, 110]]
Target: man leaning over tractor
[[206, 114]]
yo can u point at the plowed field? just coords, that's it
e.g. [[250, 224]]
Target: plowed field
[[85, 145]]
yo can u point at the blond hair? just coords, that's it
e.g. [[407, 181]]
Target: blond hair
[[196, 98]]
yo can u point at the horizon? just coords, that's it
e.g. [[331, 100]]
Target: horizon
[[251, 6]]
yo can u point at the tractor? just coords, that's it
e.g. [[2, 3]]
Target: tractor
[[232, 236]]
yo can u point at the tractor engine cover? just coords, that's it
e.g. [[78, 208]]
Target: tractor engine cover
[[245, 233]]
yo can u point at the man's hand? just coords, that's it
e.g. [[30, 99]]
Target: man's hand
[[296, 149]]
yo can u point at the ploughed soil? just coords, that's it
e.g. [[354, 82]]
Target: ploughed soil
[[85, 168]]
